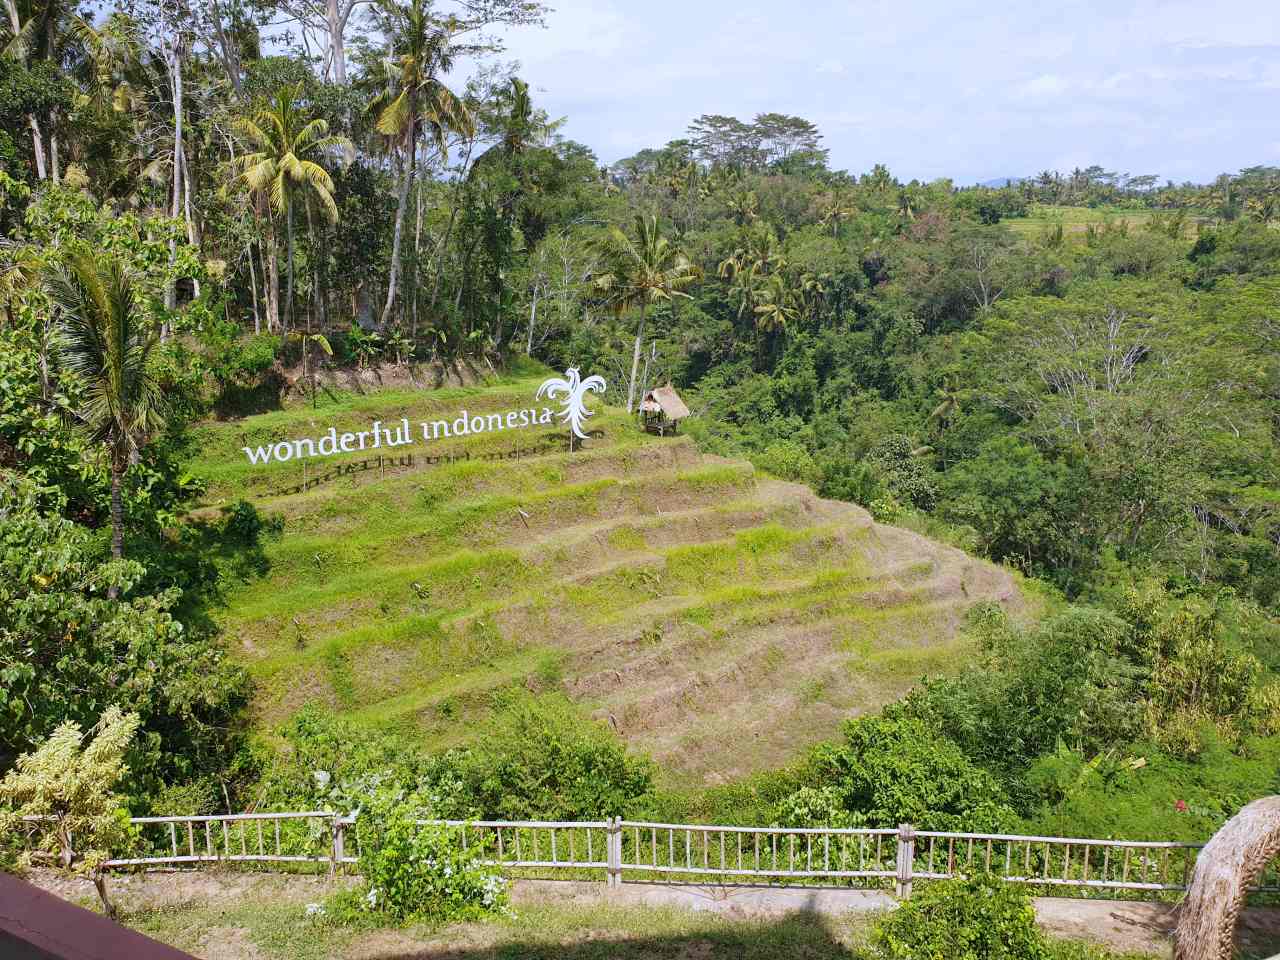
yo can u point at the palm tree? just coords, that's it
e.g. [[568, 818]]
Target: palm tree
[[415, 102], [640, 272], [104, 342], [833, 210], [290, 149], [774, 310]]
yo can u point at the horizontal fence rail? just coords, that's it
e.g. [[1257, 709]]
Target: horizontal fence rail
[[690, 853], [768, 852], [308, 837]]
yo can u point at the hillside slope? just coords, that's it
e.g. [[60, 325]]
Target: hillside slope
[[719, 619]]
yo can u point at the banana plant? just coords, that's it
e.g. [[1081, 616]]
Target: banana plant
[[365, 345]]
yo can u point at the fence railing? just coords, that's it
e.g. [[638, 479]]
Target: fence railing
[[693, 853], [306, 837]]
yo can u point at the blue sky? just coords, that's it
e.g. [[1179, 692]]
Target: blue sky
[[930, 88]]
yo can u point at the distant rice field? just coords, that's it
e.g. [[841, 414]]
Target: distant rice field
[[1042, 217]]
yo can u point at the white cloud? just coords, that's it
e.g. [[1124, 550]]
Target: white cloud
[[1045, 85], [930, 87]]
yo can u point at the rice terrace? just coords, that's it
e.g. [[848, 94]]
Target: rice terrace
[[495, 479], [714, 617]]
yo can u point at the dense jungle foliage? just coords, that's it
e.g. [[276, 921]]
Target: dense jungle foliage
[[1075, 375]]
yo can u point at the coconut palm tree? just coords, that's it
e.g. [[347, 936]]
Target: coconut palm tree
[[104, 341], [834, 209], [641, 272], [775, 309], [291, 148], [416, 102]]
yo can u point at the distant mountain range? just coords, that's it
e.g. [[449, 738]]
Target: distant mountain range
[[1001, 182]]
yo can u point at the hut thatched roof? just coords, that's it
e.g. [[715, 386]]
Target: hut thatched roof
[[666, 400], [1227, 866]]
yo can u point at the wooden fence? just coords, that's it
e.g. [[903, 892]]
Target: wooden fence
[[625, 850]]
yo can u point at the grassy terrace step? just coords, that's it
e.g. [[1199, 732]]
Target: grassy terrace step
[[720, 618], [379, 566]]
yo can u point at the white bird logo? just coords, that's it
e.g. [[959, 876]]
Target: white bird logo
[[573, 408]]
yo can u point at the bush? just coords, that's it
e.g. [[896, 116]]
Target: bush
[[898, 769], [973, 918], [788, 460], [543, 761], [905, 473], [817, 807], [418, 873], [539, 760], [1063, 680]]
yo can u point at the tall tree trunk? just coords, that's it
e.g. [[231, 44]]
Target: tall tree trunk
[[635, 361], [288, 287], [417, 264], [253, 289], [397, 234], [193, 238], [227, 51], [117, 518], [533, 318], [37, 146], [317, 289], [37, 140], [271, 275], [175, 85], [448, 230], [337, 48], [55, 172]]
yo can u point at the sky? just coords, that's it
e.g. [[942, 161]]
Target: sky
[[973, 91]]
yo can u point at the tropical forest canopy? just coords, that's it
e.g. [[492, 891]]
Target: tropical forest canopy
[[204, 205]]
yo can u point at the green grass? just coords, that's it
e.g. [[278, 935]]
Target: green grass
[[1076, 220], [278, 930]]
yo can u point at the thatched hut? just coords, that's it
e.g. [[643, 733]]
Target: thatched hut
[[1226, 868], [661, 410]]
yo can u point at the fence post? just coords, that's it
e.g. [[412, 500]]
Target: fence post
[[339, 843], [906, 860], [613, 853]]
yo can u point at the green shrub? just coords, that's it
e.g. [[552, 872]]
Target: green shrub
[[904, 471], [541, 760], [788, 460], [817, 807], [898, 769], [421, 873], [973, 918]]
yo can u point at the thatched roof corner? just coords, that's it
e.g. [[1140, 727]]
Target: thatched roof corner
[[666, 401], [1228, 865]]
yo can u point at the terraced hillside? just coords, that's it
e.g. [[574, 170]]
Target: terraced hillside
[[715, 617]]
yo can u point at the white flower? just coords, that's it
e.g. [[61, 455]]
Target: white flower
[[315, 910]]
